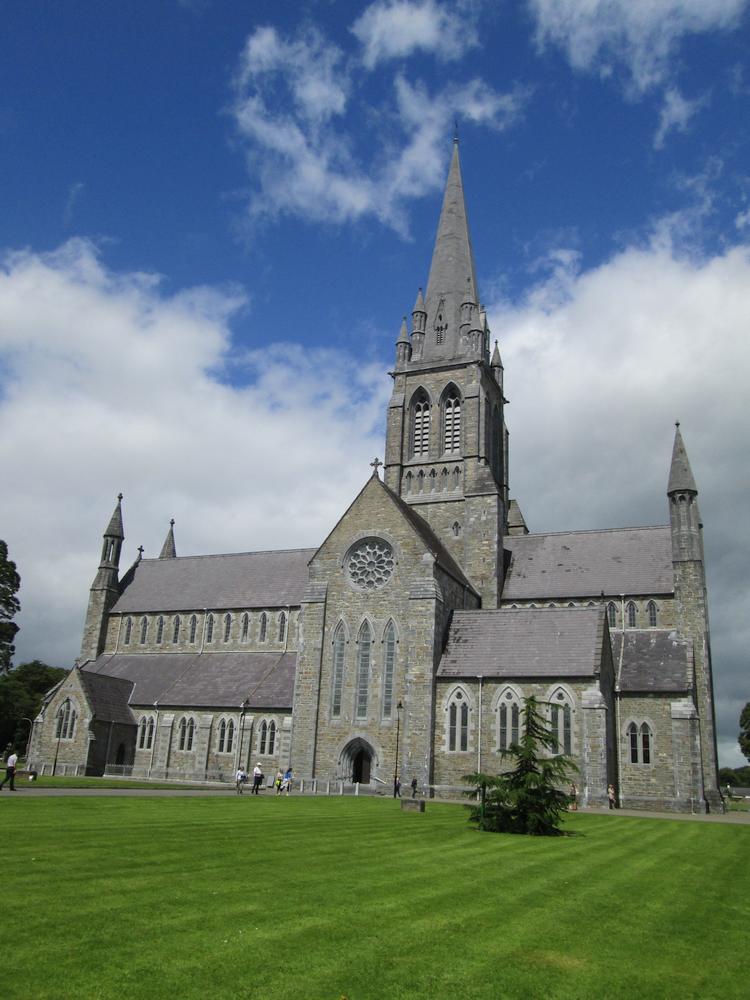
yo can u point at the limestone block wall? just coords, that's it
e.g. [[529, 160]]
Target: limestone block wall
[[671, 779], [69, 754], [590, 724]]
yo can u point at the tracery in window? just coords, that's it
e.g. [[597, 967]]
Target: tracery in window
[[267, 737], [561, 722], [186, 734], [640, 739], [452, 420], [420, 424], [389, 666], [146, 732], [65, 721], [226, 736], [364, 656], [458, 722], [337, 680], [508, 718]]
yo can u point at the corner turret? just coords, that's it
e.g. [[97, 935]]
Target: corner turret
[[105, 589]]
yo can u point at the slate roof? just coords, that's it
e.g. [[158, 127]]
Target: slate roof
[[518, 642], [108, 697], [240, 580], [653, 661], [585, 563], [203, 680]]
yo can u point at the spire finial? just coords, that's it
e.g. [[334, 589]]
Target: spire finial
[[376, 463], [141, 550], [119, 497], [455, 130], [677, 423], [171, 522]]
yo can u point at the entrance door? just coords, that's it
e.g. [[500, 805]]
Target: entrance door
[[361, 767]]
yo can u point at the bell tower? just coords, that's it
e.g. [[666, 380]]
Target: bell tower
[[446, 441]]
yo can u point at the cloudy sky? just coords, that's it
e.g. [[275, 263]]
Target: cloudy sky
[[214, 214]]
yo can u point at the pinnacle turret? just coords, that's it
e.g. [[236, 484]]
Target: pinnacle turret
[[168, 550], [114, 528]]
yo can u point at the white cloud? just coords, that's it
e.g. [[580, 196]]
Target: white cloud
[[676, 113], [599, 364], [394, 29], [641, 36], [294, 100], [110, 384], [742, 220]]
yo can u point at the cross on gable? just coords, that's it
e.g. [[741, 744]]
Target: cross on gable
[[376, 463]]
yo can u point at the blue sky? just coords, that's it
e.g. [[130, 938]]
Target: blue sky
[[213, 216]]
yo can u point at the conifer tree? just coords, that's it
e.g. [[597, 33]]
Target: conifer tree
[[527, 798]]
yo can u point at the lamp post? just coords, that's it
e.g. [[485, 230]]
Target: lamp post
[[28, 741], [395, 763]]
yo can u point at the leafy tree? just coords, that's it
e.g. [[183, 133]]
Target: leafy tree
[[527, 798], [10, 581], [21, 693], [744, 737]]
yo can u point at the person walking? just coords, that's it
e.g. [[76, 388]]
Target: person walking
[[240, 779], [286, 784], [10, 770], [611, 797], [414, 788], [257, 779], [397, 787], [278, 781], [573, 798]]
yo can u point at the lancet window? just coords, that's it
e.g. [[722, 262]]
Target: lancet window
[[640, 739], [421, 425], [337, 679], [458, 722], [389, 666], [452, 421], [65, 721], [364, 657]]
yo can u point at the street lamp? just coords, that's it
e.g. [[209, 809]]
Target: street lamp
[[395, 763], [28, 741]]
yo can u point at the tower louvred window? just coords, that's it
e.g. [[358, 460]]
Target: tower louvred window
[[421, 427], [452, 426]]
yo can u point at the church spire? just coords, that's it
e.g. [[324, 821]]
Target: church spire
[[168, 550], [680, 473], [452, 282]]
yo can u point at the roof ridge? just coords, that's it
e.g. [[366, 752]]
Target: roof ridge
[[229, 555], [588, 531]]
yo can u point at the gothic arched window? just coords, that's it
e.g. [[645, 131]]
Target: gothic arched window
[[144, 629], [452, 421], [508, 719], [128, 630], [364, 656], [65, 721], [176, 630], [186, 734], [611, 614], [630, 611], [458, 722], [210, 629], [227, 626], [282, 626], [245, 626], [337, 680], [193, 627], [561, 722], [389, 667], [267, 737], [226, 736], [159, 630], [263, 627], [640, 739], [421, 424], [146, 732], [651, 608]]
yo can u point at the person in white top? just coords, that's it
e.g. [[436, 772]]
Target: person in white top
[[10, 771], [257, 778], [240, 779]]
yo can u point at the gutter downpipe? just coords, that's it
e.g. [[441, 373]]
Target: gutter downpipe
[[153, 745], [479, 729], [618, 737], [203, 630], [238, 760]]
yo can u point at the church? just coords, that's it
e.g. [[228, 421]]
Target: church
[[407, 641]]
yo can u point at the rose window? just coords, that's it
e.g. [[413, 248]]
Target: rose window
[[371, 564]]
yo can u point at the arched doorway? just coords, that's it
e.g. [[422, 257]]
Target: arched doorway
[[357, 760]]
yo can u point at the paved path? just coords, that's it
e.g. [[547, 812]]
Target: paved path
[[39, 791]]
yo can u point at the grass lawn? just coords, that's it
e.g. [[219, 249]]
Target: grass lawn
[[65, 781], [281, 898]]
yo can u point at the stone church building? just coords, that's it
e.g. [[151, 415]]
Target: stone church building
[[408, 639]]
